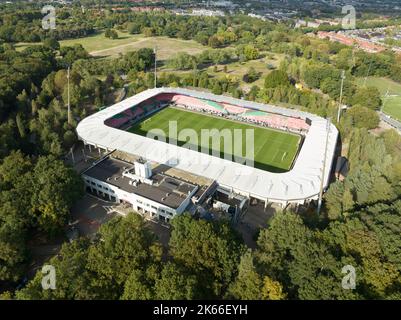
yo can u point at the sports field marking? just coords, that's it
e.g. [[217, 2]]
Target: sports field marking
[[274, 150]]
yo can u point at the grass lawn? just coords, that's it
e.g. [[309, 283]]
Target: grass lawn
[[99, 45], [273, 150], [93, 42], [166, 47], [382, 84], [239, 69], [392, 104], [392, 107], [98, 41]]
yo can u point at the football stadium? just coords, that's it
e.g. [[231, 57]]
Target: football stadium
[[293, 150]]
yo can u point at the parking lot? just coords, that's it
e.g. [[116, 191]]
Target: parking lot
[[89, 213]]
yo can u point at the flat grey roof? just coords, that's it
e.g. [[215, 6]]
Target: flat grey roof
[[165, 190]]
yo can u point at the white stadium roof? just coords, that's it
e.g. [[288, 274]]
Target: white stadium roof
[[300, 183]]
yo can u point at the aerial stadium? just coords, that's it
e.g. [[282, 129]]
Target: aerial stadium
[[294, 150]]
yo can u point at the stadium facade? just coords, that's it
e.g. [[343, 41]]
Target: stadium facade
[[106, 130]]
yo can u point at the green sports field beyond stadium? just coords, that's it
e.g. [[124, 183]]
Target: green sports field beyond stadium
[[274, 150]]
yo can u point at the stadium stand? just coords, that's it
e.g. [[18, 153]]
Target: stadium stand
[[262, 118]]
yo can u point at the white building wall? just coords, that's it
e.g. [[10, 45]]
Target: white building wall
[[139, 203]]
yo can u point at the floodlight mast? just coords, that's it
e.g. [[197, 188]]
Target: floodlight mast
[[155, 53], [341, 96], [385, 99], [68, 96], [319, 204]]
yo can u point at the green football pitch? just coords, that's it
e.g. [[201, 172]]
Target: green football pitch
[[274, 150]]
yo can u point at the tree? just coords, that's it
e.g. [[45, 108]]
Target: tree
[[355, 239], [12, 247], [209, 250], [176, 284], [250, 52], [123, 261], [248, 284], [51, 43], [214, 42], [251, 75], [247, 52], [12, 168], [333, 199], [134, 28], [73, 280], [217, 88], [368, 97], [291, 252], [110, 33], [113, 34], [272, 290], [73, 53], [51, 189], [276, 78], [20, 125], [182, 61], [138, 286], [363, 117], [126, 245]]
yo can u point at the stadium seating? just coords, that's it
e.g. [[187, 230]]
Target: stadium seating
[[199, 104], [234, 109], [206, 106], [275, 120]]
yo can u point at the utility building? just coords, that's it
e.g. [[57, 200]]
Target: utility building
[[156, 195]]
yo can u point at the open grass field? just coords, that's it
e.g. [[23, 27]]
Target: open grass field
[[392, 107], [166, 47], [392, 103], [99, 45], [94, 42], [274, 150], [382, 84], [99, 42], [239, 69]]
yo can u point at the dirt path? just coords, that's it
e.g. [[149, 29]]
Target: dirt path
[[94, 53]]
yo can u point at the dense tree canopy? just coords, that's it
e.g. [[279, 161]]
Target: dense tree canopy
[[34, 195]]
